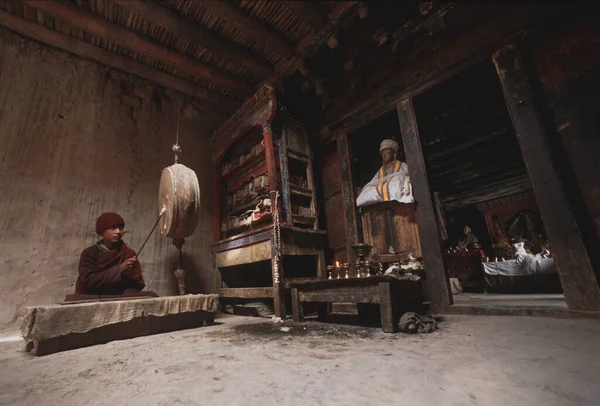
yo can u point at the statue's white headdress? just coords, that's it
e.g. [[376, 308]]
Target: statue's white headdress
[[388, 144]]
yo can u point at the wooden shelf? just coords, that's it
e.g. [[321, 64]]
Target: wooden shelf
[[309, 221], [301, 191], [265, 219], [244, 206], [249, 162], [262, 193], [260, 158], [298, 156]]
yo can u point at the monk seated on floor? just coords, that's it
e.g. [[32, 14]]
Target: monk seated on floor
[[109, 269]]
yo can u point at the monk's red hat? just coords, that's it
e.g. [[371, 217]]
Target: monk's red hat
[[107, 220]]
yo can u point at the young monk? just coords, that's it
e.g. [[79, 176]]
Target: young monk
[[109, 268]]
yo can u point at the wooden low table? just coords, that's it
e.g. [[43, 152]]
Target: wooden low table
[[393, 294]]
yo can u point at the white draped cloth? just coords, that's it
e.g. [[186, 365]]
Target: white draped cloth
[[393, 186], [523, 265]]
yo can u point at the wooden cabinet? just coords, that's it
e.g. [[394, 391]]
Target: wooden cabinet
[[391, 224], [265, 203], [244, 187]]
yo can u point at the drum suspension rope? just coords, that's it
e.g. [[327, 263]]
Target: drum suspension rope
[[176, 148]]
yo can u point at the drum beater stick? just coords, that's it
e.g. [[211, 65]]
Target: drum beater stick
[[163, 211]]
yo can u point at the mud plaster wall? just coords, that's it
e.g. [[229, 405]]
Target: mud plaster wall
[[78, 139]]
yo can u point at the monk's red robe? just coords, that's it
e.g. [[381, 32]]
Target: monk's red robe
[[100, 276]]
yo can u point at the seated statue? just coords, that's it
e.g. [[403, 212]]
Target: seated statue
[[109, 268], [502, 248], [470, 242], [391, 182]]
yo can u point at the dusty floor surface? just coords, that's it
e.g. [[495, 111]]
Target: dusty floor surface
[[471, 360]]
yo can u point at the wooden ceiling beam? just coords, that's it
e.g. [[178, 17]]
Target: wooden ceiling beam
[[461, 145], [450, 146], [490, 187], [94, 24], [427, 19], [364, 55], [441, 178], [477, 156], [499, 177], [237, 17], [468, 37], [342, 12], [376, 72], [309, 12], [479, 196], [456, 128], [199, 34], [66, 43], [476, 199]]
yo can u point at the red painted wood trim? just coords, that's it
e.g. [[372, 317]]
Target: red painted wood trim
[[271, 169]]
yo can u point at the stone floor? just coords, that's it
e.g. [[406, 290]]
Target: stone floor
[[470, 360]]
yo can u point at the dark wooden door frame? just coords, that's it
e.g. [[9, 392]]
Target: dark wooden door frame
[[573, 265], [347, 188], [431, 246], [574, 268]]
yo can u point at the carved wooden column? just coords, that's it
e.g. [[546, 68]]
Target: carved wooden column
[[276, 256], [218, 280], [348, 199], [216, 203], [431, 247], [572, 262]]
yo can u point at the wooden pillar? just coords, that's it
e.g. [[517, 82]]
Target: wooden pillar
[[387, 308], [217, 203], [276, 260], [572, 262], [431, 247], [349, 202], [218, 280]]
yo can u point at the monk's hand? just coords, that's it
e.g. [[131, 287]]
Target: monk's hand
[[128, 264]]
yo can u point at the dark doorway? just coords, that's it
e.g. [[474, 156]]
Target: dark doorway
[[364, 146], [475, 168]]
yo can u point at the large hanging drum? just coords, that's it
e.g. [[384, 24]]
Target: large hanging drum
[[179, 192]]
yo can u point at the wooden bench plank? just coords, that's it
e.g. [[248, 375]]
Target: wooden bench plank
[[248, 293], [338, 297]]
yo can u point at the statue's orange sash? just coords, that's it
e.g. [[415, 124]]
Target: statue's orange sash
[[383, 188]]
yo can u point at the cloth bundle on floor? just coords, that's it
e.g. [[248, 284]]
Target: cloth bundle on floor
[[416, 323]]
